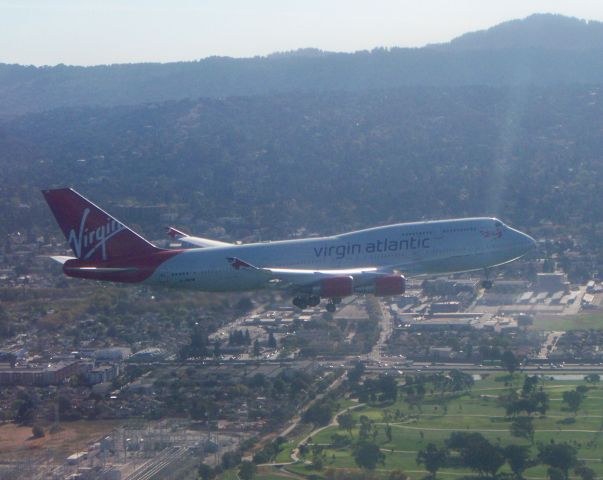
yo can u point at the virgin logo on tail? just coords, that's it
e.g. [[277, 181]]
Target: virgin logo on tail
[[87, 241]]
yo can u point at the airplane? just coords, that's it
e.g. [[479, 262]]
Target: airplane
[[370, 261]]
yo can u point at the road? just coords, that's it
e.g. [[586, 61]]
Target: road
[[549, 345], [223, 332], [386, 328], [574, 308]]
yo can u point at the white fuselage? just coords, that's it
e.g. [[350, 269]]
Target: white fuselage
[[412, 248]]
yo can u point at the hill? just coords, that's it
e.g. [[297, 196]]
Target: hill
[[541, 31], [326, 162], [526, 52]]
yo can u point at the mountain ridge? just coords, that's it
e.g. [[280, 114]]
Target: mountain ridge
[[540, 30], [25, 89]]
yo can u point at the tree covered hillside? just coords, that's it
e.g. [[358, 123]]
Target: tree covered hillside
[[327, 162]]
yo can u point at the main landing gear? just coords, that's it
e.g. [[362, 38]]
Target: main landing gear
[[303, 302], [332, 305], [487, 284]]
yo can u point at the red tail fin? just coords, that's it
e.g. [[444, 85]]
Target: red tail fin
[[93, 234]]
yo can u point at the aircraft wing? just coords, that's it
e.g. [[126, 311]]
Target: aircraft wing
[[194, 241], [304, 278], [103, 269]]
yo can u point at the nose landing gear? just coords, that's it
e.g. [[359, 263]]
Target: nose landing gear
[[487, 284], [313, 300]]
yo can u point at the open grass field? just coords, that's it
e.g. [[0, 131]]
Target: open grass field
[[476, 411], [582, 321], [17, 441]]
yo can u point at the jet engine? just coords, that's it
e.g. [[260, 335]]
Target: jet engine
[[336, 287], [389, 285]]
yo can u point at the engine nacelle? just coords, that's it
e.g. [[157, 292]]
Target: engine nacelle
[[336, 287], [389, 285]]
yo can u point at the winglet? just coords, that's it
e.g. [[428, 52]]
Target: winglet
[[237, 263]]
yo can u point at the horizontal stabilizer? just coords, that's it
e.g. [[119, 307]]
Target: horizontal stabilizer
[[194, 241], [61, 258]]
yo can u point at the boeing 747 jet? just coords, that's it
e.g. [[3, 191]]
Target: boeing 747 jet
[[371, 261]]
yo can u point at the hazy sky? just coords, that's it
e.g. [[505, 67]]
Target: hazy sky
[[88, 32]]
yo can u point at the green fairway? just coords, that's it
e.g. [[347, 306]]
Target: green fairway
[[582, 321], [477, 411]]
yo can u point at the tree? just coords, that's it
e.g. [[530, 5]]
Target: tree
[[537, 401], [350, 474], [388, 387], [346, 422], [509, 361], [592, 378], [5, 322], [339, 441], [573, 398], [397, 475], [319, 413], [558, 455], [26, 409], [206, 472], [460, 381], [355, 374], [523, 427], [585, 472], [388, 433], [366, 428], [318, 457], [529, 385], [476, 452], [244, 305], [433, 458], [37, 431], [555, 473], [540, 402], [247, 470], [271, 340], [368, 455], [256, 348], [230, 460], [199, 341], [518, 457]]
